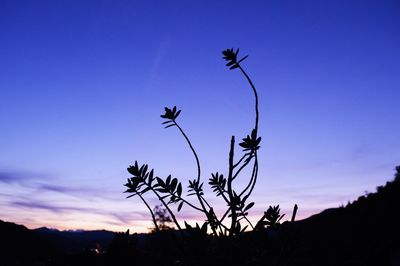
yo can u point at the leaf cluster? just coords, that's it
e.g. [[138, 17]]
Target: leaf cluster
[[231, 57]]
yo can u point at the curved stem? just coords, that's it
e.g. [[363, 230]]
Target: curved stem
[[241, 159], [151, 212], [193, 150], [198, 170], [248, 221], [241, 168], [168, 209], [255, 94], [253, 179]]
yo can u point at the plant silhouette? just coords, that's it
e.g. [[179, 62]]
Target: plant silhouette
[[169, 190]]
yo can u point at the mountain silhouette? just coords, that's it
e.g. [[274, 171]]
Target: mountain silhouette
[[365, 232]]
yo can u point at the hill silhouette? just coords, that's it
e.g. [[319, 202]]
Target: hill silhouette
[[365, 232], [43, 246]]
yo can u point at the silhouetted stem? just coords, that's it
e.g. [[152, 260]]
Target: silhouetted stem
[[188, 203], [193, 150], [223, 216], [240, 169], [230, 191], [151, 212], [253, 178], [248, 221], [241, 159], [294, 213], [255, 175], [198, 170], [205, 201], [255, 94], [168, 209]]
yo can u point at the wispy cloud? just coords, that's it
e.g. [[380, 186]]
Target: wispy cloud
[[19, 177], [48, 207]]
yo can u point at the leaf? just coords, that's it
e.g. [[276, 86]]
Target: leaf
[[177, 114], [145, 168], [233, 67], [251, 204], [243, 59], [151, 177], [170, 126], [244, 228], [168, 181], [188, 226], [160, 182], [180, 206], [173, 184], [179, 189]]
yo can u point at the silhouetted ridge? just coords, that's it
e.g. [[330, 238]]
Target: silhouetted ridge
[[365, 232]]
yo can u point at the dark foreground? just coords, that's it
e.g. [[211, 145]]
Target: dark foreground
[[366, 232]]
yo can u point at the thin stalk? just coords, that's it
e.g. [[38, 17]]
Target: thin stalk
[[198, 169], [253, 178], [193, 150], [241, 159], [240, 169], [205, 201], [223, 216], [187, 202], [151, 212], [248, 221], [255, 94], [168, 209], [294, 213], [230, 190]]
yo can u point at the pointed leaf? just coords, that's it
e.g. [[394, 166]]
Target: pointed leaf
[[160, 182], [251, 204], [243, 59], [180, 206], [173, 184], [179, 189]]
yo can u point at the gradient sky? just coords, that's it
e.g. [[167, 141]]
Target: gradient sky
[[82, 85]]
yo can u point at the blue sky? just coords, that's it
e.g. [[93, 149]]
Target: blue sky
[[82, 85]]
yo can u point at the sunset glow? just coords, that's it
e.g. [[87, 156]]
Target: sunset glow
[[83, 85]]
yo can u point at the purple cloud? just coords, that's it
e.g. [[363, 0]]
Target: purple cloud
[[48, 207], [18, 177]]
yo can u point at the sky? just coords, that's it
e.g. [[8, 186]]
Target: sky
[[83, 85]]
